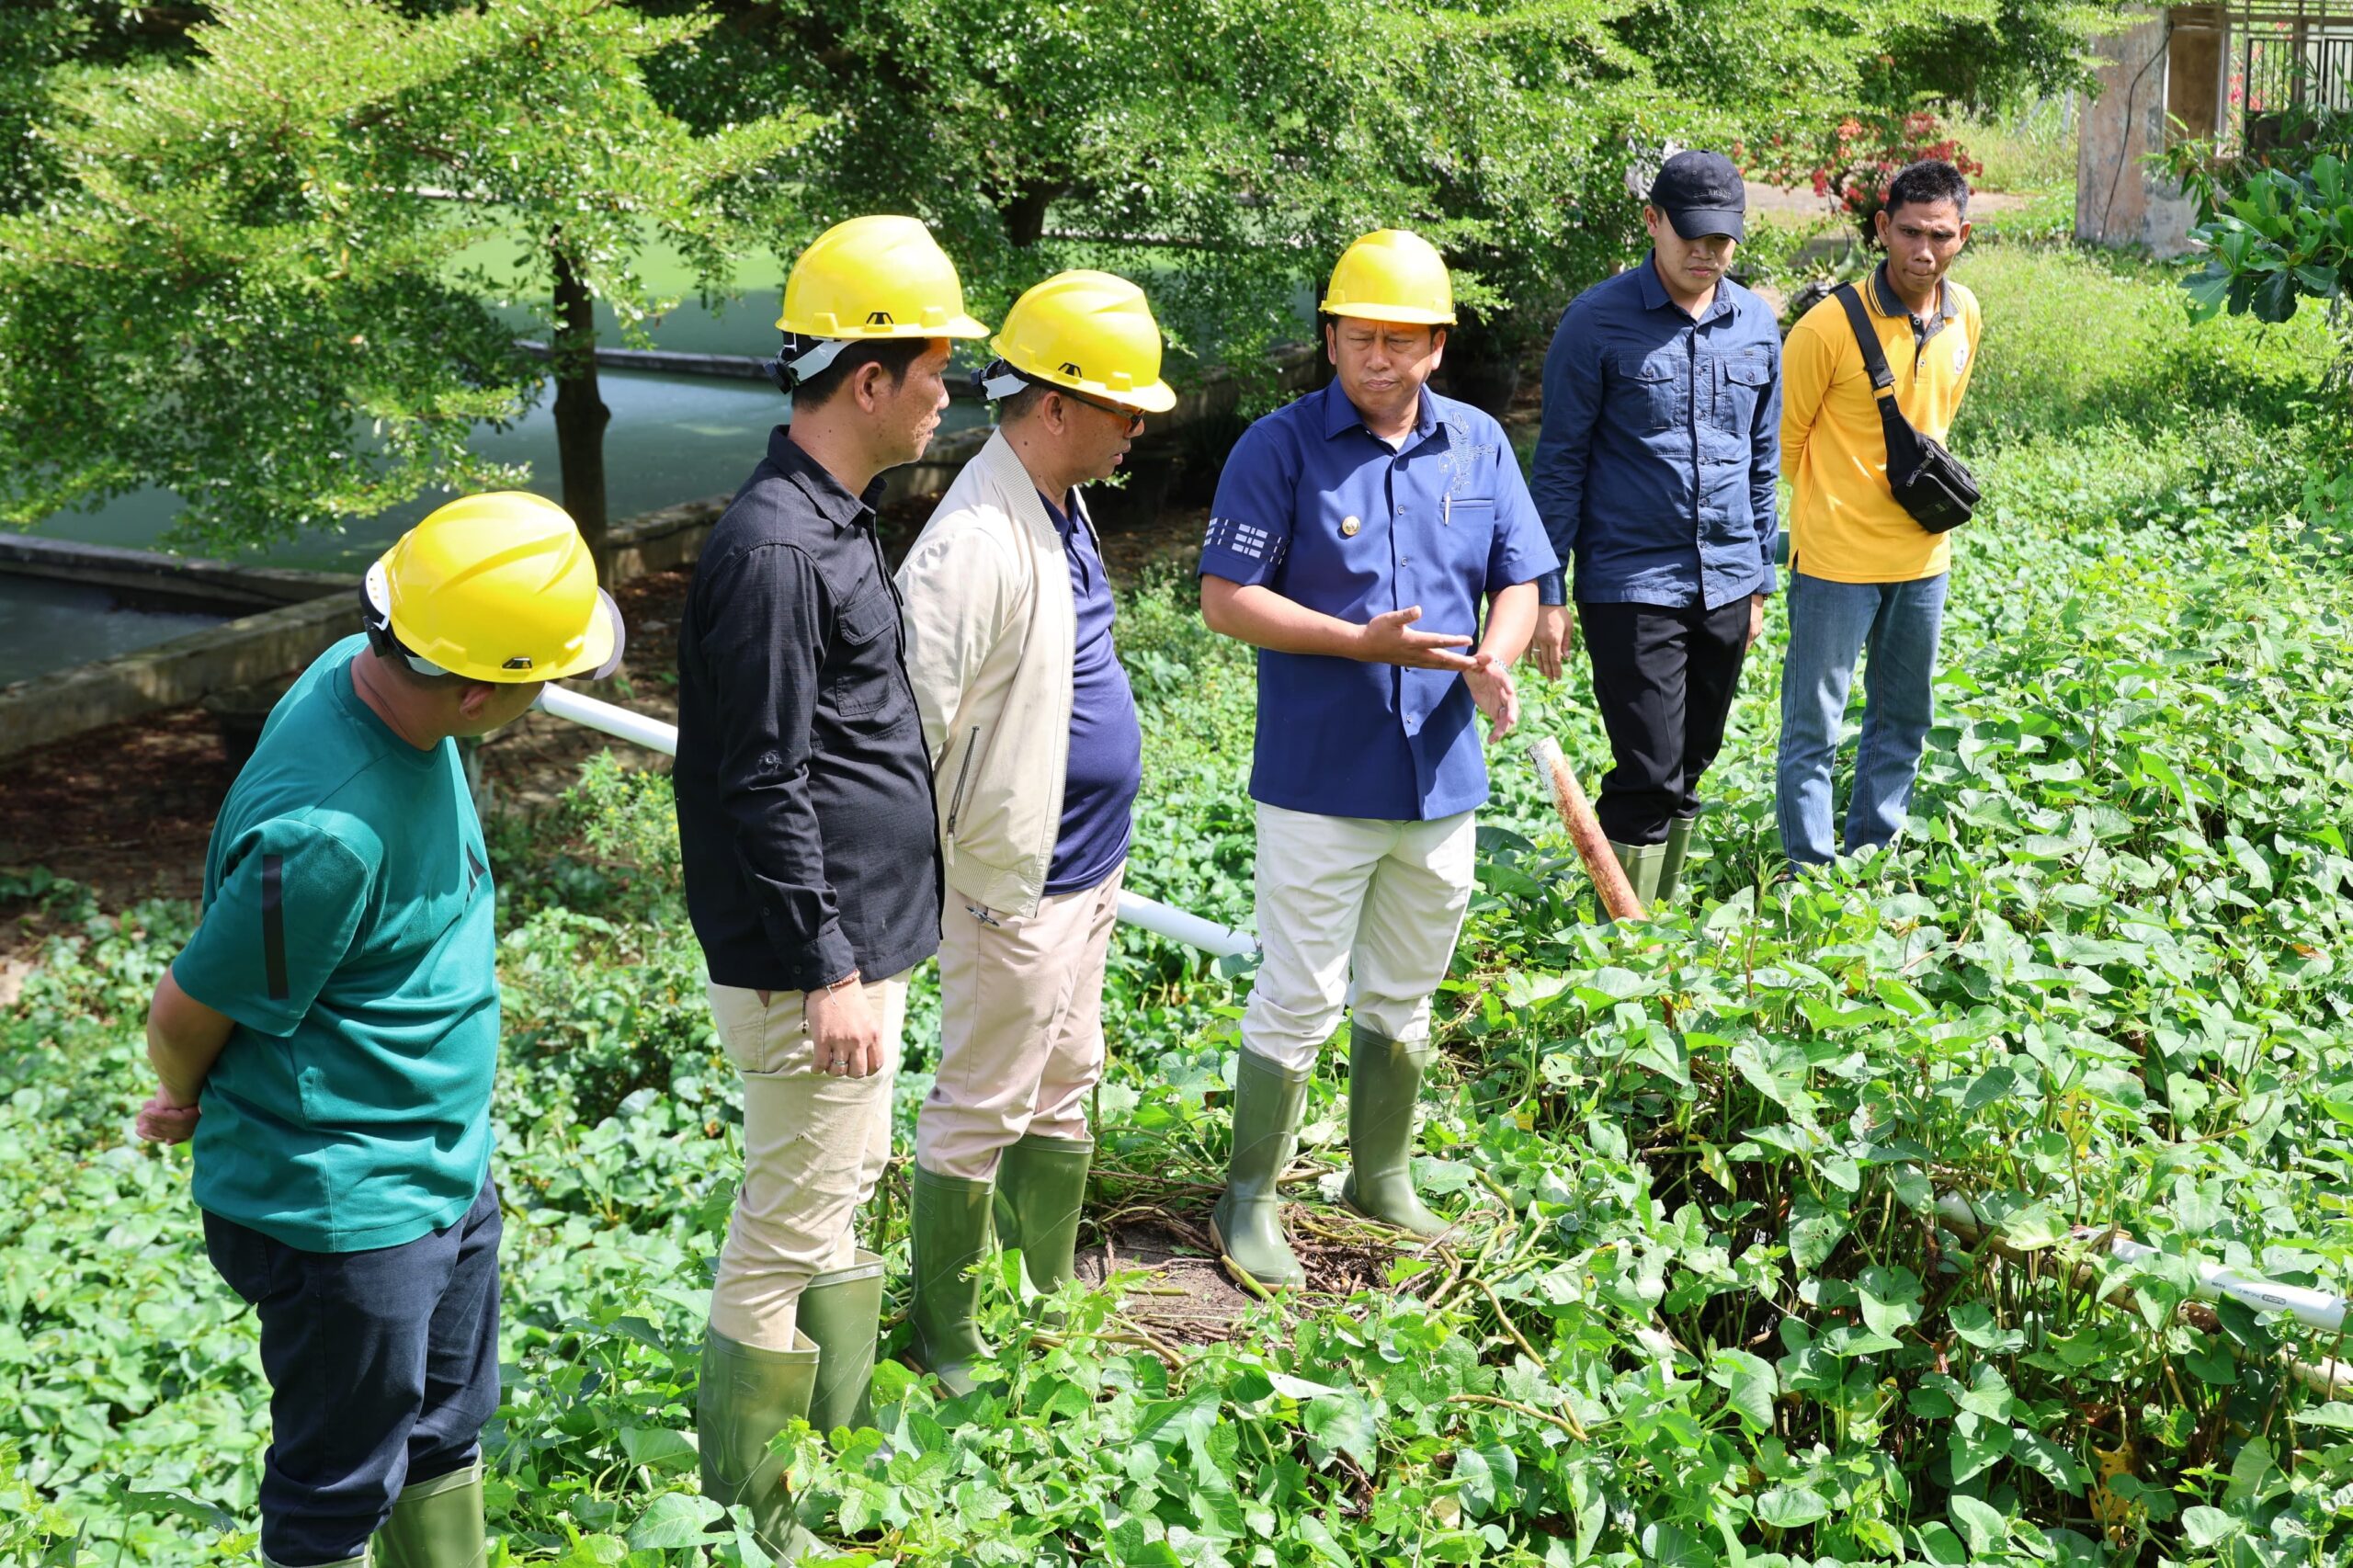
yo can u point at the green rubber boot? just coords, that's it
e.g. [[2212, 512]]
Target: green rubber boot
[[436, 1523], [1041, 1189], [1670, 865], [1247, 1223], [1641, 864], [840, 1310], [948, 1232], [745, 1396], [1384, 1085]]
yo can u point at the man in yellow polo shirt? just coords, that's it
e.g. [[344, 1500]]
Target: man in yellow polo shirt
[[1863, 573]]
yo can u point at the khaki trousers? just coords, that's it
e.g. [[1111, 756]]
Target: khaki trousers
[[1360, 899], [1020, 1027], [814, 1148]]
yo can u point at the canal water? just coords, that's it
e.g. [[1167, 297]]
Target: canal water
[[672, 439]]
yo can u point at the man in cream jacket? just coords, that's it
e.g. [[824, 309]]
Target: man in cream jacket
[[1036, 758]]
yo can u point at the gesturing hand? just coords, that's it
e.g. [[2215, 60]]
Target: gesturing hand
[[1491, 688], [165, 1120], [1385, 640], [843, 1033]]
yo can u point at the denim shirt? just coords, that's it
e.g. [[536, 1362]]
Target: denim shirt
[[1661, 442]]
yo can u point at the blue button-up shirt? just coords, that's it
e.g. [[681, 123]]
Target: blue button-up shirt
[[1320, 510], [1660, 441]]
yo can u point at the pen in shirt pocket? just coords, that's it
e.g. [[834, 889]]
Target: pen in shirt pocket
[[1446, 510]]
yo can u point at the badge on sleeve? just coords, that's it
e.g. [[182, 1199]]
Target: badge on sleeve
[[1348, 527]]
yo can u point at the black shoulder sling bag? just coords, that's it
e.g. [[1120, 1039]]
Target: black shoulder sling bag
[[1929, 483]]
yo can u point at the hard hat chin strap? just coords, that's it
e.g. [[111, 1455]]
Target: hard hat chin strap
[[804, 358], [376, 615], [999, 380]]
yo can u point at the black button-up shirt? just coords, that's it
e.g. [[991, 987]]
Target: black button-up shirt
[[805, 818]]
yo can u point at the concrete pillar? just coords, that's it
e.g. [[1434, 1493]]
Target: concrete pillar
[[2119, 200]]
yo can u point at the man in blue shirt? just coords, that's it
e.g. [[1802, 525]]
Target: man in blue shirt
[[1654, 471], [1355, 534]]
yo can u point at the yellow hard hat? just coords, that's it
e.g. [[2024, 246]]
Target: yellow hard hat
[[1090, 332], [877, 277], [1392, 274], [495, 587]]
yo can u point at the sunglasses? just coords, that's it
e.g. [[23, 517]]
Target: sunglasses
[[1134, 420]]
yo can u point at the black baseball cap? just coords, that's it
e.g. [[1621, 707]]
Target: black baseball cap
[[1701, 194]]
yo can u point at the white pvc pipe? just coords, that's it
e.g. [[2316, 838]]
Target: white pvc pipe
[[654, 735], [1191, 929], [651, 733], [2316, 1309]]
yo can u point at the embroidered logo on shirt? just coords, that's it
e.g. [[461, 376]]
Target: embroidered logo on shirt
[[1466, 459], [1242, 539], [1960, 355]]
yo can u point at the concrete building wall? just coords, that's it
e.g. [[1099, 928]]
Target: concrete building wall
[[2168, 62]]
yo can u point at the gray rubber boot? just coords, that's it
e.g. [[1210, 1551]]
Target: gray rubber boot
[[745, 1396], [1247, 1223], [948, 1232], [840, 1310], [1670, 865], [1384, 1086], [1041, 1189], [1641, 863]]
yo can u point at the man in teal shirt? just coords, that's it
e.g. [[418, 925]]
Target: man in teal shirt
[[328, 1036]]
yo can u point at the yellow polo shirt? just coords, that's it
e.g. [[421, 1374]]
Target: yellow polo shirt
[[1844, 524]]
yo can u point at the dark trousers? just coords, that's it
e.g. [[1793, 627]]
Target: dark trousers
[[383, 1367], [1664, 680]]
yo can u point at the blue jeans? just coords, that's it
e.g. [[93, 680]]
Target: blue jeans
[[1830, 624], [383, 1367]]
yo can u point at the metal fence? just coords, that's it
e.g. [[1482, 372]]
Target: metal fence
[[2285, 59]]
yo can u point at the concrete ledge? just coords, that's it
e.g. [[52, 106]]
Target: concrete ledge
[[318, 608], [170, 674], [257, 647], [155, 580], [656, 541]]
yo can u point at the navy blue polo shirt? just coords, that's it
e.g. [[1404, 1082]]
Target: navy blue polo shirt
[[1660, 441], [1106, 766], [1320, 510]]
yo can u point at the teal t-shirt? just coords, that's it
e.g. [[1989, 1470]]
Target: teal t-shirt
[[348, 930]]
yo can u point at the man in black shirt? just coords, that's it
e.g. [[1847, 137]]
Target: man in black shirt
[[806, 830]]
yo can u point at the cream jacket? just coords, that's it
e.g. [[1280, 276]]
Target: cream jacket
[[990, 625]]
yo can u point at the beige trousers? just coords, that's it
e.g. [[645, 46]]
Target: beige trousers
[[1020, 1027], [1360, 900], [814, 1148]]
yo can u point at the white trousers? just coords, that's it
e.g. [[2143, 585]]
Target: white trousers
[[1020, 1027], [1343, 898], [814, 1149]]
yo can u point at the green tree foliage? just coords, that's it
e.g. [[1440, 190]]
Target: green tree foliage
[[1224, 151], [244, 291], [45, 43]]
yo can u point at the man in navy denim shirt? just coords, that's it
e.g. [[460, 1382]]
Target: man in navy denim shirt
[[1654, 471]]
